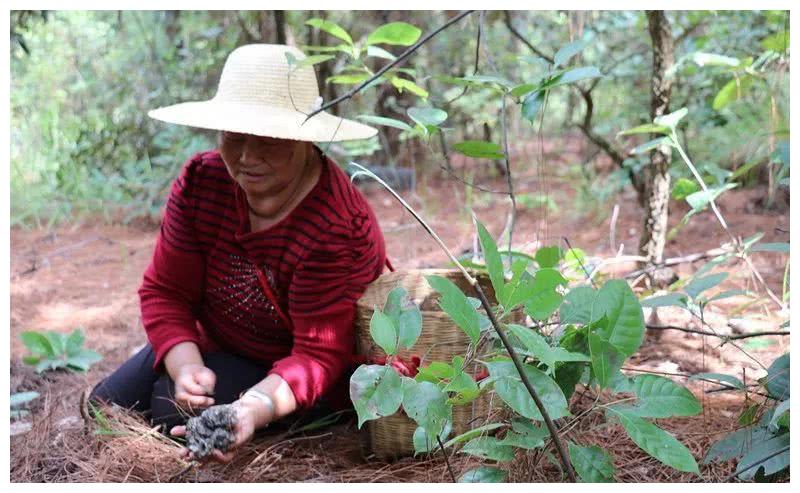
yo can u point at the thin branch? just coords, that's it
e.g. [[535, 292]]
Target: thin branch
[[471, 184], [519, 36], [352, 92], [475, 69], [446, 459], [720, 336]]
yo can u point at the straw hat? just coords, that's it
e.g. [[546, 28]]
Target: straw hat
[[260, 94]]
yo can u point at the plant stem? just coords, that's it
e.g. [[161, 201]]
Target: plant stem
[[528, 386], [446, 459]]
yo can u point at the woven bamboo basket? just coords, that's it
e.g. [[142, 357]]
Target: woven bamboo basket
[[440, 340]]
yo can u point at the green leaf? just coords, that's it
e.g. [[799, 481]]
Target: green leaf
[[21, 398], [331, 28], [493, 262], [383, 332], [355, 78], [549, 256], [647, 128], [526, 435], [427, 116], [735, 89], [657, 442], [427, 405], [671, 299], [531, 105], [577, 305], [407, 85], [625, 327], [575, 75], [479, 149], [435, 372], [405, 316], [375, 391], [592, 464], [778, 42], [522, 89], [780, 410], [699, 200], [83, 360], [760, 451], [702, 59], [700, 284], [378, 52], [37, 344], [771, 247], [425, 443], [475, 432], [74, 342], [489, 79], [659, 397], [510, 388], [727, 294], [388, 122], [606, 360], [456, 305], [489, 448], [736, 444], [730, 380], [778, 378], [325, 49], [568, 51], [545, 299], [311, 60], [484, 474], [650, 145], [395, 33], [519, 288], [58, 342], [537, 346], [671, 120], [683, 188]]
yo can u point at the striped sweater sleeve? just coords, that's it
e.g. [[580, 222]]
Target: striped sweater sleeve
[[172, 286], [322, 302]]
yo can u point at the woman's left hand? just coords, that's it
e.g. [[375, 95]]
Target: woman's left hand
[[247, 416]]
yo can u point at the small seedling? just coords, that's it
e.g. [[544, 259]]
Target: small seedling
[[54, 350]]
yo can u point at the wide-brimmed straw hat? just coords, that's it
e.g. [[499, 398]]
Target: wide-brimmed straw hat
[[260, 93]]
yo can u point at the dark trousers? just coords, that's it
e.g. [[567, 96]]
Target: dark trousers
[[135, 385]]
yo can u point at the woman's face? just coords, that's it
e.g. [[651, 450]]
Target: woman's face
[[262, 165]]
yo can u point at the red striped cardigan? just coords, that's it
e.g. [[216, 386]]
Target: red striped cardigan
[[207, 279]]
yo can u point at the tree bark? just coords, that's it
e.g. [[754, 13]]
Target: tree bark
[[656, 175], [280, 27]]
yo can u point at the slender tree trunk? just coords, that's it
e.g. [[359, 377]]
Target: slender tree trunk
[[280, 27], [656, 176]]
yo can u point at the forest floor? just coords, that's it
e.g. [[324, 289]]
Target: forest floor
[[86, 275]]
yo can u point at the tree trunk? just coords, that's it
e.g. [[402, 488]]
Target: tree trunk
[[280, 27], [656, 175]]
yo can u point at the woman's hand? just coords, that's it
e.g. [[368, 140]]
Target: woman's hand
[[248, 415], [194, 384]]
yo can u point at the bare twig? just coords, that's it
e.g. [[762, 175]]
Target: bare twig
[[352, 92], [721, 336]]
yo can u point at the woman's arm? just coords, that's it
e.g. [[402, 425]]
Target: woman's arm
[[283, 402]]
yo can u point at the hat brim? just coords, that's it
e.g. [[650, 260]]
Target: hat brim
[[262, 120]]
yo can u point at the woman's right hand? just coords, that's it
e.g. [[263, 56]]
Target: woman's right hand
[[194, 386]]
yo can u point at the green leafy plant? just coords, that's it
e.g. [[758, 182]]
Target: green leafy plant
[[761, 445], [53, 350], [595, 331]]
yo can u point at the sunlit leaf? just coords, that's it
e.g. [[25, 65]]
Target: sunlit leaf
[[395, 33], [331, 28]]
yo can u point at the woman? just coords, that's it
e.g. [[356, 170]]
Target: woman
[[264, 248]]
